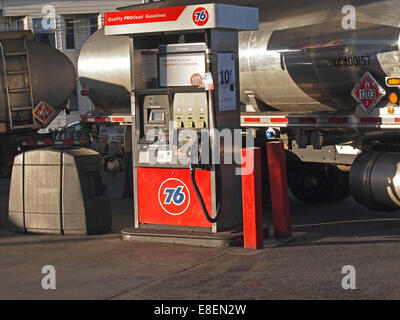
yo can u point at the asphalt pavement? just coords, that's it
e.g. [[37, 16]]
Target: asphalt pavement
[[326, 238]]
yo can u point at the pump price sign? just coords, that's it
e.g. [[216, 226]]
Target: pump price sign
[[226, 81], [368, 92]]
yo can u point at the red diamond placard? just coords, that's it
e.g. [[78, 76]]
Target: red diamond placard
[[43, 112], [368, 92]]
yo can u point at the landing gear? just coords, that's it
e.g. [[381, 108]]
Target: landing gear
[[316, 183]]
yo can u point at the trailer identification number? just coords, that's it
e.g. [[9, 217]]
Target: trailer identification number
[[355, 61]]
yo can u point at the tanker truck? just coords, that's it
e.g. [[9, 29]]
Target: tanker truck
[[36, 82], [326, 88]]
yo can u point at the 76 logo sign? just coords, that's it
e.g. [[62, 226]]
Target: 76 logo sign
[[200, 16], [174, 196]]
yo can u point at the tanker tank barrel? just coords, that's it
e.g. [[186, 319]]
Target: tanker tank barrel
[[39, 81], [305, 48]]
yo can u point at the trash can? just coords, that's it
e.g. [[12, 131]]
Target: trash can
[[59, 190]]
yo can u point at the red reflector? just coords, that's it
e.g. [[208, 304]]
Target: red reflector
[[308, 120], [370, 120], [275, 120], [117, 119], [252, 120], [253, 284], [84, 92], [338, 120]]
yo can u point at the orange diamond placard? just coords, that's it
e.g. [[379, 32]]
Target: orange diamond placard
[[368, 92]]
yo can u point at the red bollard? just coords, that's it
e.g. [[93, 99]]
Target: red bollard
[[279, 189], [252, 199]]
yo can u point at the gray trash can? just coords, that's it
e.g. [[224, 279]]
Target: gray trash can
[[59, 190]]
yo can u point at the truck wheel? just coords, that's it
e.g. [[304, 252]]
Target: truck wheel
[[317, 183]]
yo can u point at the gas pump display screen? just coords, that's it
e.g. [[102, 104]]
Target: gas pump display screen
[[156, 116], [182, 69]]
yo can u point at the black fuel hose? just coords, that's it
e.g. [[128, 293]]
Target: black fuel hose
[[201, 200]]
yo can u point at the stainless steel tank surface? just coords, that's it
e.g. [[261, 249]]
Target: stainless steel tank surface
[[300, 59], [53, 75], [47, 71], [104, 67]]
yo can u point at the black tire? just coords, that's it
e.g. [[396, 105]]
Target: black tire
[[317, 183]]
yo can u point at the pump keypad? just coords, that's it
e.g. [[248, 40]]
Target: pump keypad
[[190, 110]]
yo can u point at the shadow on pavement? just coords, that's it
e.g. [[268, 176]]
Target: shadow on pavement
[[341, 223], [328, 224]]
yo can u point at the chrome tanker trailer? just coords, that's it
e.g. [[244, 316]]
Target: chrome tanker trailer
[[36, 82], [321, 75]]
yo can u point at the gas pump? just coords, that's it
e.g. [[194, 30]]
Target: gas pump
[[185, 98]]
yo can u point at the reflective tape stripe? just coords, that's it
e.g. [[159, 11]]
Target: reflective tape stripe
[[94, 119], [50, 143], [118, 120], [370, 120], [339, 120], [279, 120], [308, 120], [252, 120]]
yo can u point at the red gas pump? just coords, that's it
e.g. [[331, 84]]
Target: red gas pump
[[185, 108]]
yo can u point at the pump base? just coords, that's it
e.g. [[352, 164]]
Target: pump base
[[229, 238]]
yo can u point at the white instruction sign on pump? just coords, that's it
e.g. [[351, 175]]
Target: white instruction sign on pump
[[179, 69], [226, 81]]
